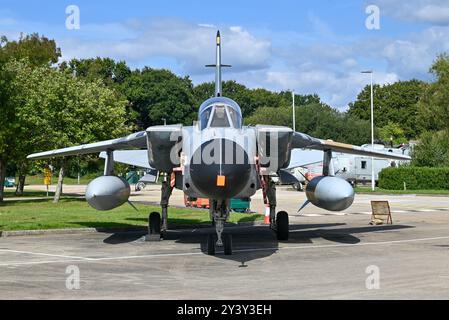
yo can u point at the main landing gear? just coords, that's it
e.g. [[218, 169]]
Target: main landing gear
[[279, 222], [158, 224], [282, 231], [219, 211]]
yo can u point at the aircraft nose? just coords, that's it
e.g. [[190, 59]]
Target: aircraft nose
[[220, 158]]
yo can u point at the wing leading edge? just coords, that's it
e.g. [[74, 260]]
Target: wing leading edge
[[133, 141], [304, 141]]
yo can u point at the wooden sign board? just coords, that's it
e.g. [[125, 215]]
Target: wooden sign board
[[381, 212], [47, 176]]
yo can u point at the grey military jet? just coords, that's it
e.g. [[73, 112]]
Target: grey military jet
[[218, 158]]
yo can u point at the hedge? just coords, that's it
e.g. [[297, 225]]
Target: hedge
[[415, 178]]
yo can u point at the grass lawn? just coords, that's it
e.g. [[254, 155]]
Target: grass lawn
[[385, 191], [10, 193], [39, 180], [76, 213]]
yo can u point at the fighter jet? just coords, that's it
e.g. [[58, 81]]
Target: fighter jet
[[218, 158]]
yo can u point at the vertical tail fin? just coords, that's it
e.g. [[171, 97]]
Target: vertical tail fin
[[218, 66]]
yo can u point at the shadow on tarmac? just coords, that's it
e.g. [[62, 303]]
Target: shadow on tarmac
[[256, 242]]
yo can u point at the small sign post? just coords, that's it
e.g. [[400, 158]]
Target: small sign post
[[47, 177], [381, 212]]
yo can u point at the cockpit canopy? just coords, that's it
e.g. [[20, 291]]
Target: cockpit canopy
[[220, 112]]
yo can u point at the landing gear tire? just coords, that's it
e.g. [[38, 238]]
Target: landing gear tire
[[298, 186], [227, 243], [140, 186], [282, 226], [211, 244], [154, 227], [155, 223]]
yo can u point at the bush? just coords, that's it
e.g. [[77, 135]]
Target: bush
[[415, 178], [432, 150]]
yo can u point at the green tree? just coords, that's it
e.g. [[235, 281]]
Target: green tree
[[396, 102], [106, 69], [112, 73], [392, 132], [157, 94], [57, 110], [38, 51], [300, 100], [432, 150], [433, 106], [251, 100], [318, 120], [231, 89], [272, 116], [7, 123], [322, 121]]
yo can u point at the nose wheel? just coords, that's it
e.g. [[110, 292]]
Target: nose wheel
[[226, 244]]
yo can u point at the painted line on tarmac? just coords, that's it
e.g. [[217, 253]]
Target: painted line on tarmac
[[161, 255], [369, 212], [44, 254], [17, 264], [348, 245]]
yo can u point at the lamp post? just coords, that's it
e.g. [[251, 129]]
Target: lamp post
[[372, 128], [293, 107]]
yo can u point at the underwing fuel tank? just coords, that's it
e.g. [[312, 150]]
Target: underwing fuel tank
[[330, 193], [107, 192]]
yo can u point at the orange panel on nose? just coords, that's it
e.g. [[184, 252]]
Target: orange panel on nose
[[221, 181]]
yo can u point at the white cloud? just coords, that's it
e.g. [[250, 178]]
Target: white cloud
[[328, 64], [413, 56], [334, 88], [429, 11], [192, 45], [207, 25], [434, 14]]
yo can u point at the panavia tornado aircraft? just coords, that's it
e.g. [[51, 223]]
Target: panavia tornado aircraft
[[218, 158]]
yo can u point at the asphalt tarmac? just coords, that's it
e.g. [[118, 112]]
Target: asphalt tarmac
[[328, 256]]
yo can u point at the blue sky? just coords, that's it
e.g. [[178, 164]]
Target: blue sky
[[309, 46]]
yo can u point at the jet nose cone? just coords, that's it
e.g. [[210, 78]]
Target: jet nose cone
[[224, 158]]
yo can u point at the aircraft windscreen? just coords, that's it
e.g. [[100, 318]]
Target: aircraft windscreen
[[223, 115], [205, 116], [220, 118], [234, 117]]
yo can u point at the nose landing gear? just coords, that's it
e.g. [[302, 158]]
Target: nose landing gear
[[219, 213]]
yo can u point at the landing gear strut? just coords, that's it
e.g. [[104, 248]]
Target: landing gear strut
[[279, 222], [219, 210], [157, 224]]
